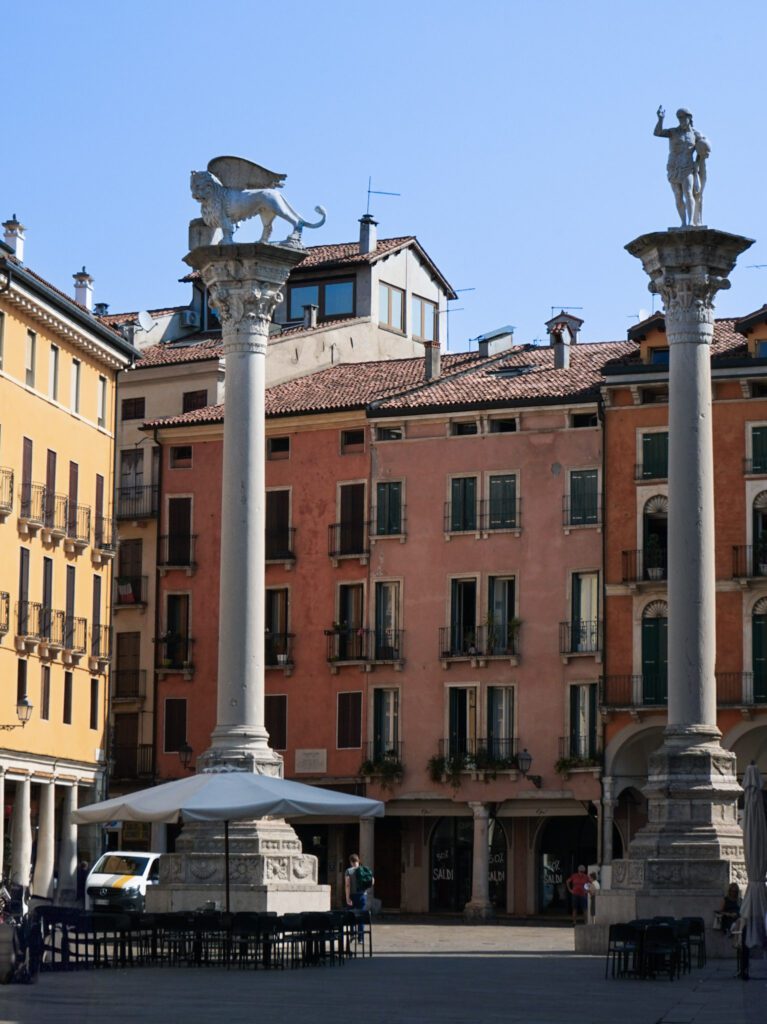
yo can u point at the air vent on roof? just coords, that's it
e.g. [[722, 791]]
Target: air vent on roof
[[505, 372]]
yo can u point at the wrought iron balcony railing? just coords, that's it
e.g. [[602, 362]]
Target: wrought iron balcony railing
[[386, 522], [585, 511], [755, 467], [52, 626], [278, 649], [489, 641], [741, 689], [75, 633], [79, 523], [105, 533], [381, 749], [101, 642], [387, 644], [130, 591], [348, 539], [650, 564], [651, 470], [6, 490], [5, 611], [580, 748], [131, 762], [177, 550], [749, 562], [634, 691], [29, 619], [128, 683], [280, 544], [347, 644], [500, 515], [469, 753], [461, 517], [137, 502], [56, 512], [580, 637], [174, 652], [32, 507]]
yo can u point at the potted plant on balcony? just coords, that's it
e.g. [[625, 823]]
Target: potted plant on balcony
[[654, 557]]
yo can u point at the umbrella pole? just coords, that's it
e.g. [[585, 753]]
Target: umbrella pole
[[226, 861]]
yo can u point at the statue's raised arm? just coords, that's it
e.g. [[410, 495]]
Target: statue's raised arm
[[659, 129], [686, 167]]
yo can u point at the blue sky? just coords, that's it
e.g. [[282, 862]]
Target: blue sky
[[519, 134]]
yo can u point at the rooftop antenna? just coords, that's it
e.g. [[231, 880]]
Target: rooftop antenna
[[448, 311], [562, 309], [756, 266], [375, 192]]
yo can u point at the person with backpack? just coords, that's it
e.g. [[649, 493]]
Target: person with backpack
[[357, 880]]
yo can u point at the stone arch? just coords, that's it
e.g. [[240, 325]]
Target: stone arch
[[627, 753], [655, 610], [760, 502], [657, 505], [760, 606]]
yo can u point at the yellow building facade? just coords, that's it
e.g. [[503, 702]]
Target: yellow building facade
[[58, 373]]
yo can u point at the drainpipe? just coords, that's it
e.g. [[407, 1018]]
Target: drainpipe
[[155, 695], [602, 419]]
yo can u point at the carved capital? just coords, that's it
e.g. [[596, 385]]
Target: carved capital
[[688, 300], [245, 308]]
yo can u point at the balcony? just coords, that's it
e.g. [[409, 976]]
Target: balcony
[[741, 690], [644, 566], [55, 517], [386, 646], [578, 752], [383, 762], [280, 545], [347, 645], [460, 517], [52, 632], [500, 515], [75, 633], [755, 467], [78, 528], [349, 540], [131, 762], [388, 525], [131, 592], [651, 470], [29, 625], [128, 684], [5, 612], [582, 511], [480, 643], [100, 653], [177, 551], [104, 539], [137, 502], [6, 492], [749, 563], [634, 692], [174, 654], [32, 508], [484, 756], [580, 637], [277, 651]]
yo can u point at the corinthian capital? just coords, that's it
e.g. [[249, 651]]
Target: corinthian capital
[[690, 291], [244, 304]]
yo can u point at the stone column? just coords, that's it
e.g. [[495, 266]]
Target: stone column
[[21, 833], [66, 893], [244, 283], [42, 883], [691, 847], [367, 841], [479, 908]]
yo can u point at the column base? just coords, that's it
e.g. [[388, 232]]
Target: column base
[[478, 910], [237, 749], [267, 870]]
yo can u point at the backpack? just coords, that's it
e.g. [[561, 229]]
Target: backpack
[[364, 878]]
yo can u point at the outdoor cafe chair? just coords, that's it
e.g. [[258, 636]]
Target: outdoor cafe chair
[[697, 938], [623, 950], [660, 951]]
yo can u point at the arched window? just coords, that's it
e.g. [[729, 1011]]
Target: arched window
[[655, 653], [759, 650], [655, 537], [760, 534]]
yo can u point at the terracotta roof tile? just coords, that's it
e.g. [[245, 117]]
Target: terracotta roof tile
[[727, 343], [169, 354], [113, 319]]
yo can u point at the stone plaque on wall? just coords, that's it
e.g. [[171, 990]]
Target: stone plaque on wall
[[312, 761]]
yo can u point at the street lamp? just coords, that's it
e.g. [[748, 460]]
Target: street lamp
[[185, 753], [23, 713], [525, 762]]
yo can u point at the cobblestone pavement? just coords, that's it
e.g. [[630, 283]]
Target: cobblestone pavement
[[421, 972]]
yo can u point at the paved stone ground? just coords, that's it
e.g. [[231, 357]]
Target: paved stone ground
[[421, 972]]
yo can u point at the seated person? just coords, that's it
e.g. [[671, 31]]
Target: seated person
[[729, 910]]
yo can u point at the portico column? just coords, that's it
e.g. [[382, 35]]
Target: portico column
[[21, 833], [2, 820], [66, 893], [42, 884], [367, 840], [479, 907], [244, 283]]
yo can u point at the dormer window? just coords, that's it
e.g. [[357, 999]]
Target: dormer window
[[761, 350], [659, 356], [425, 320], [334, 298]]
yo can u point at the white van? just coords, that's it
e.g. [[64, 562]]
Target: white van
[[118, 880]]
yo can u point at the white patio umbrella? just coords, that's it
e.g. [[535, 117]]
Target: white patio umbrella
[[226, 795], [754, 906]]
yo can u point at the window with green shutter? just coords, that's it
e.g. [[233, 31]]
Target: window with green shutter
[[759, 449], [655, 456], [583, 721], [463, 503], [502, 511], [389, 508], [759, 659], [584, 498]]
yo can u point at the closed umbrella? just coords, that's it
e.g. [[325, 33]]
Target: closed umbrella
[[225, 795], [754, 906]]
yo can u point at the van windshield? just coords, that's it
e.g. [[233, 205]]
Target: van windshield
[[117, 864]]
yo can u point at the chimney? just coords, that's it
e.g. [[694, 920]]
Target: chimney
[[84, 288], [368, 235], [101, 308], [310, 315], [497, 341], [431, 367], [14, 237], [563, 330]]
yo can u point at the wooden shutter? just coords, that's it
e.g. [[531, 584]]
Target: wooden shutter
[[655, 454], [759, 449], [26, 476], [759, 656], [349, 719], [175, 724]]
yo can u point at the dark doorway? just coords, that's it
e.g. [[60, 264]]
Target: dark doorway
[[387, 861], [450, 864], [565, 843]]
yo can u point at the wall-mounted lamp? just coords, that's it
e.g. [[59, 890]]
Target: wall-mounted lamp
[[23, 712], [525, 762], [185, 753]]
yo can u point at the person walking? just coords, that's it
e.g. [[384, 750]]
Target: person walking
[[356, 887], [576, 886]]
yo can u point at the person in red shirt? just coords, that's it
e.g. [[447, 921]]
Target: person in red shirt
[[576, 886]]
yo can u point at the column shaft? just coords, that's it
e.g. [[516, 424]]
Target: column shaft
[[42, 884], [480, 906], [21, 834], [66, 893], [2, 822]]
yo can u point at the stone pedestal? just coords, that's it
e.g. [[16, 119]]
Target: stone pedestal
[[691, 848], [267, 869]]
